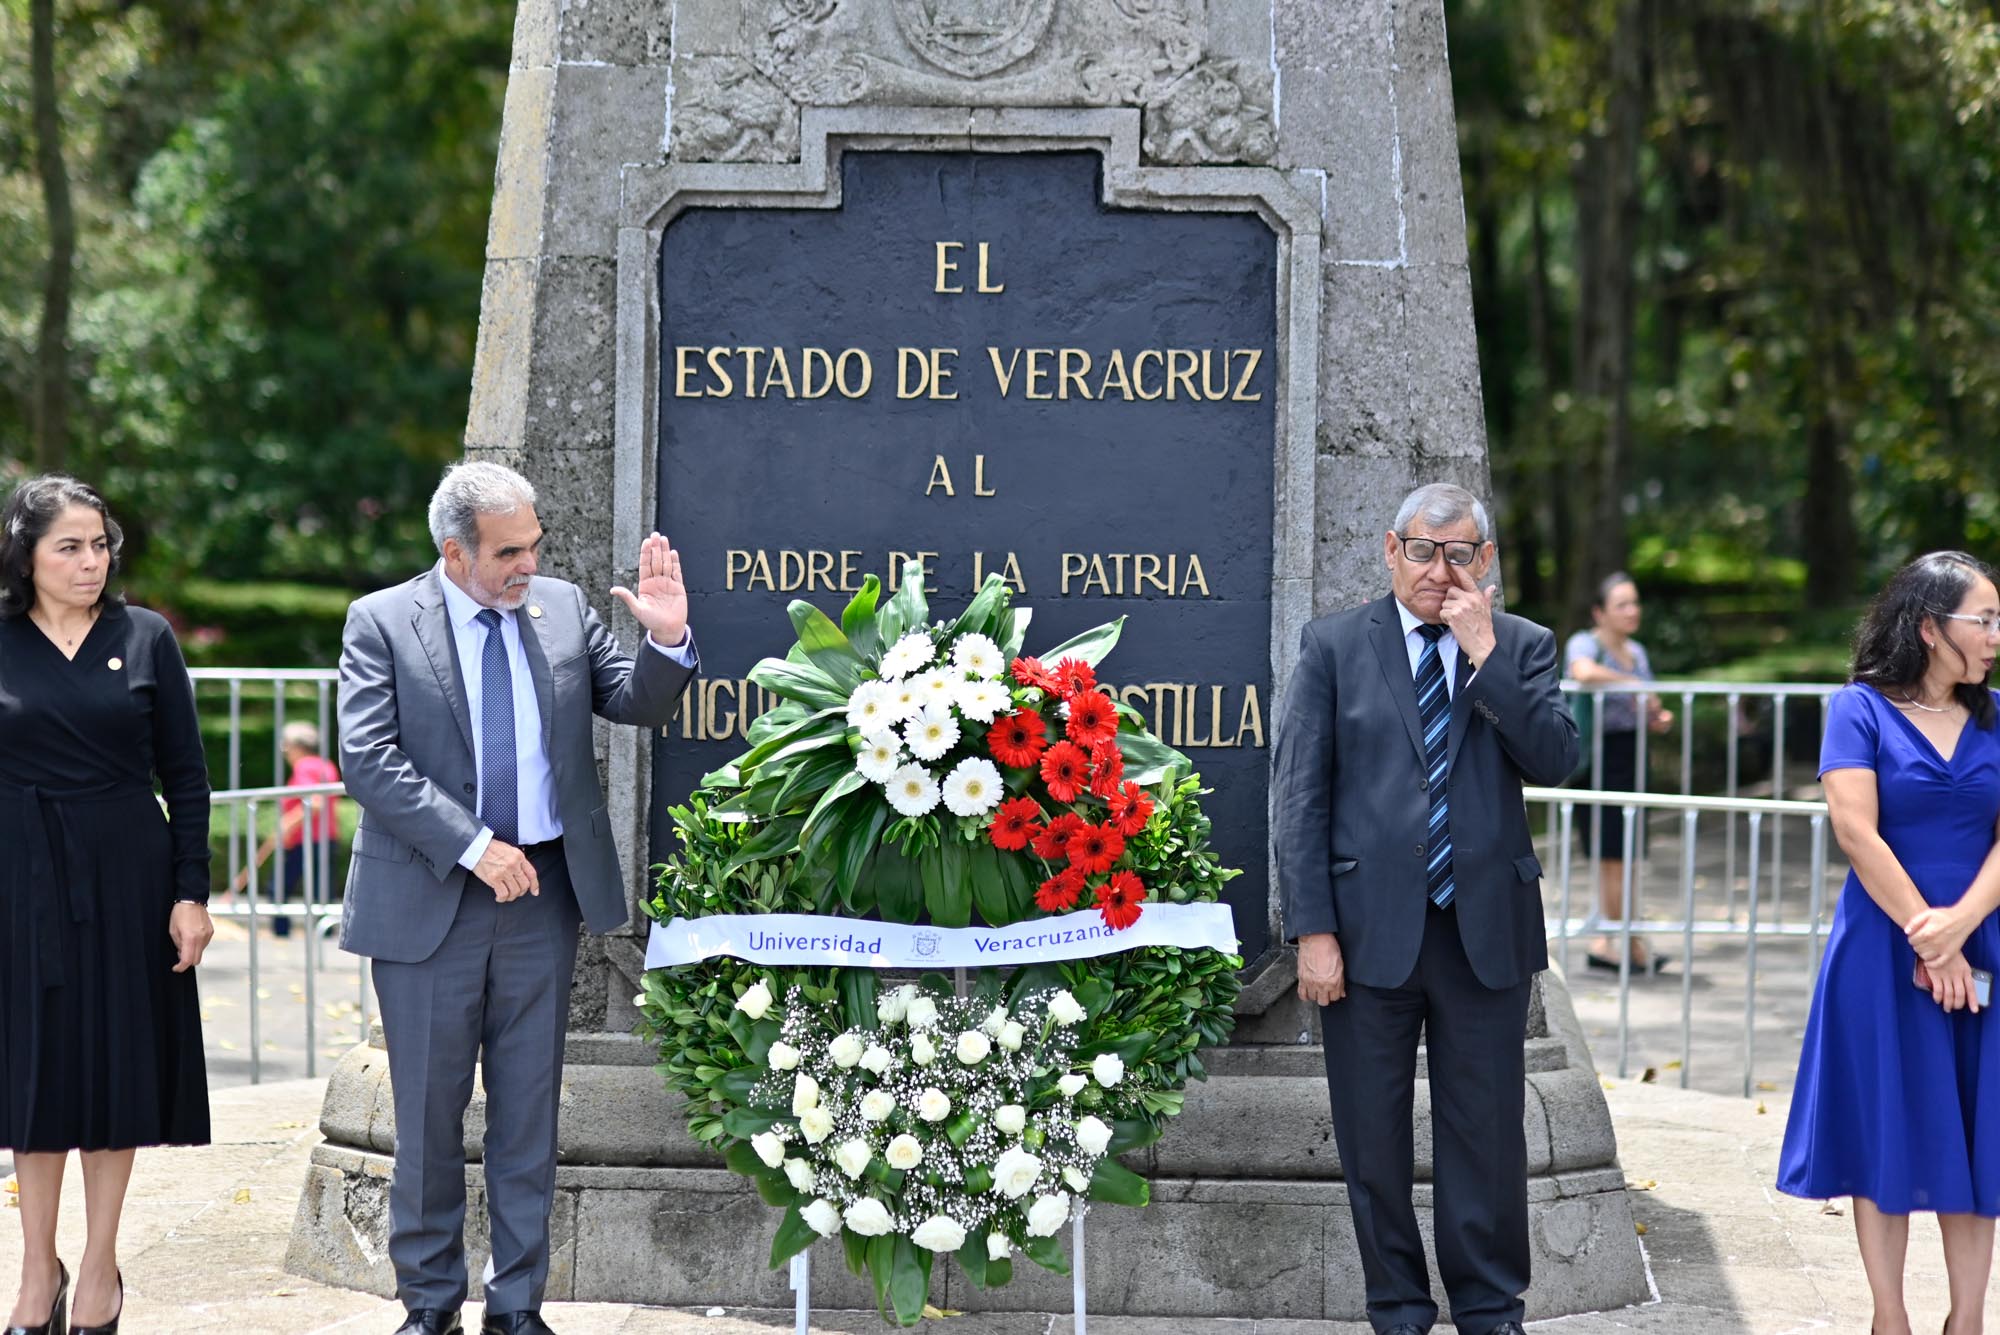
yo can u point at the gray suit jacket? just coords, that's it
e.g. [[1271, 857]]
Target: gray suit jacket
[[1352, 807], [406, 755]]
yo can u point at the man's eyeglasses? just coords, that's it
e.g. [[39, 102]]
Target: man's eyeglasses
[[1423, 550], [1989, 626]]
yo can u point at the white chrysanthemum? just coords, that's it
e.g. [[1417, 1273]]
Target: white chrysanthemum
[[981, 700], [905, 700], [977, 656], [931, 733], [868, 707], [912, 790], [913, 653], [935, 688], [881, 756], [973, 787], [939, 1233]]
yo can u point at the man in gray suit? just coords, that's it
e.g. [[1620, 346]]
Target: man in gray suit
[[466, 697], [1411, 886]]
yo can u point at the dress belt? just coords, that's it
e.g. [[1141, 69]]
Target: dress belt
[[34, 800]]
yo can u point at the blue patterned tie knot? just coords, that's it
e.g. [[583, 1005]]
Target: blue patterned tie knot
[[499, 777], [1434, 710]]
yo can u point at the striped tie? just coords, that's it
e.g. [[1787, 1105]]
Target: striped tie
[[499, 778], [1434, 708]]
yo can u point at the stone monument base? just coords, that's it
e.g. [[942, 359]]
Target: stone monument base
[[1249, 1216]]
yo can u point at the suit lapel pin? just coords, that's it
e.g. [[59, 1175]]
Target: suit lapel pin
[[534, 611], [115, 664]]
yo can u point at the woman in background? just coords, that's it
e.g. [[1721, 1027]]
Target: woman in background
[[1898, 1098], [102, 896]]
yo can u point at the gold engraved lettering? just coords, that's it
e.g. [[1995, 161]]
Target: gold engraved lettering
[[1037, 373], [1139, 374], [715, 367], [1195, 577], [1187, 696], [1073, 564], [1253, 356], [1067, 372], [791, 572], [819, 566], [1097, 575], [930, 373], [1003, 374], [750, 356], [778, 372], [1251, 720], [718, 726], [822, 360], [683, 372], [898, 559], [848, 583], [1210, 389], [1179, 375], [940, 477], [755, 567], [1166, 724], [979, 487], [867, 373], [946, 265], [983, 285], [1010, 572], [1114, 373], [1146, 570]]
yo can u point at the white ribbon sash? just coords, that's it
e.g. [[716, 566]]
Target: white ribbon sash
[[805, 938]]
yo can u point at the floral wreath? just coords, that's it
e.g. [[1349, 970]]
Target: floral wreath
[[929, 771]]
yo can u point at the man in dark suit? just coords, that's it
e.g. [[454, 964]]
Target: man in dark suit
[[466, 698], [1411, 886]]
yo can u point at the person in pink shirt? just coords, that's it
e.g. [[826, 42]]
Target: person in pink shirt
[[301, 745]]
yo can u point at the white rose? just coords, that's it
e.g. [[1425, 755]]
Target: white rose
[[994, 1019], [876, 1059], [1108, 1067], [845, 1051], [769, 1148], [973, 1047], [853, 1156], [1010, 1118], [1064, 1009], [998, 1248], [1011, 1034], [939, 1233], [805, 1094], [822, 1217], [869, 1218], [1047, 1214], [800, 1174], [876, 1105], [922, 1012], [1072, 1084], [904, 1152], [922, 1051], [1093, 1135], [815, 1124], [756, 1001], [933, 1105], [891, 1007], [782, 1056], [1076, 1179], [1014, 1173]]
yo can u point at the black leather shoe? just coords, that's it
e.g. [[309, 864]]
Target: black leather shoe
[[58, 1321], [1405, 1329], [515, 1323], [1507, 1328], [429, 1321], [110, 1327]]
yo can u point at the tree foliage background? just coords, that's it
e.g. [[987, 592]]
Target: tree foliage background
[[1736, 277]]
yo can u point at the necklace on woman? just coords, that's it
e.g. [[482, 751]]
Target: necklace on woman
[[1928, 709], [71, 642]]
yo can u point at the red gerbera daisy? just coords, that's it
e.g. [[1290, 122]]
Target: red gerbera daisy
[[1073, 677], [1066, 770], [1060, 891], [1107, 769], [1030, 672], [1120, 900], [1014, 824], [1094, 848], [1053, 842], [1131, 808], [1093, 719], [1018, 740]]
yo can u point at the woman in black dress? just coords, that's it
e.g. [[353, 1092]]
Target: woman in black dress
[[102, 897]]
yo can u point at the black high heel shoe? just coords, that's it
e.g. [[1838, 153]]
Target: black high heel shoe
[[58, 1321], [110, 1327]]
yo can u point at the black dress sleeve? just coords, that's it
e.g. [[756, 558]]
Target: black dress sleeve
[[181, 766]]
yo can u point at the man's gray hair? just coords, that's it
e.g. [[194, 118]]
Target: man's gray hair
[[1441, 503], [303, 735], [472, 489]]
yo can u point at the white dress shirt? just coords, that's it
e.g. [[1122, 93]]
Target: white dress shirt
[[1447, 648], [538, 818]]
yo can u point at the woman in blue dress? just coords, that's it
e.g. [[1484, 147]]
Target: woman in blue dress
[[1898, 1098]]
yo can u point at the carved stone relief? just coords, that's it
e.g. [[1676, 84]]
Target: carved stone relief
[[726, 110]]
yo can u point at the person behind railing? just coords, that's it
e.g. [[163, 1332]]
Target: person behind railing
[[1608, 655], [103, 897], [1898, 1095], [308, 769]]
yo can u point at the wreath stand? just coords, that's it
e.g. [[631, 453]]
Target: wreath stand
[[801, 1278]]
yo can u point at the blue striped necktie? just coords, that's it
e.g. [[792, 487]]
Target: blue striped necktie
[[1434, 708], [499, 776]]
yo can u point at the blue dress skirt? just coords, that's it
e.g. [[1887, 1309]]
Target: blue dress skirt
[[1898, 1101]]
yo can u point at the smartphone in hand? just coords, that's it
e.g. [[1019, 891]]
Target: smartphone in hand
[[1982, 984]]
